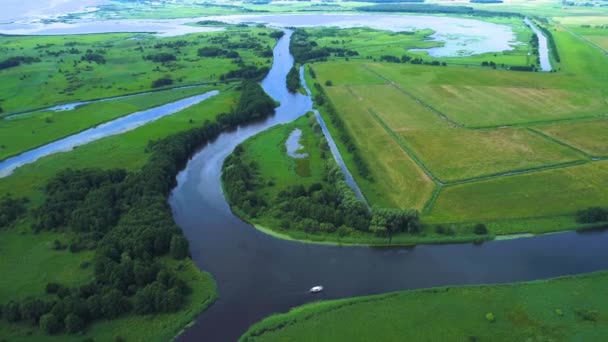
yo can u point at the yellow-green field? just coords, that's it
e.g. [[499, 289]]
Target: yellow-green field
[[589, 136], [516, 150]]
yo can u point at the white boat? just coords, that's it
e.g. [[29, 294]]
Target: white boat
[[316, 289]]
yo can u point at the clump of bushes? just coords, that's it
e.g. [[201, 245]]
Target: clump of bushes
[[11, 209], [162, 82], [592, 215]]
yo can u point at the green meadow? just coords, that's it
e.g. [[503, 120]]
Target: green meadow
[[519, 151], [25, 132], [84, 67], [560, 309]]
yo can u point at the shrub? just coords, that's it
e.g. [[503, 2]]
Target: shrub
[[163, 81], [490, 317], [592, 215], [329, 83], [50, 324], [480, 229]]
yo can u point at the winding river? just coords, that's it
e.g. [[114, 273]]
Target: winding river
[[259, 275]]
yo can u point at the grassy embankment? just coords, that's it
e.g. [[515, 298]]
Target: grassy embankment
[[39, 264], [25, 132], [561, 309], [84, 67], [462, 132]]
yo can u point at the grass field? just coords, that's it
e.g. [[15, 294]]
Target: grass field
[[62, 76], [455, 154], [397, 171], [588, 136], [269, 152], [554, 192], [28, 131], [513, 149], [561, 309]]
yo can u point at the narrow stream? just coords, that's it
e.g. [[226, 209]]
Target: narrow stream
[[118, 126], [259, 275], [543, 46]]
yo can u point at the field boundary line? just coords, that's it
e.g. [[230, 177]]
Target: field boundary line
[[554, 140], [420, 102], [431, 201], [405, 147], [518, 172], [585, 40], [543, 122]]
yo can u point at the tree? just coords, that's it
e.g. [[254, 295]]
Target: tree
[[113, 304], [480, 229], [329, 83], [179, 247], [12, 312], [33, 309], [73, 323], [50, 324]]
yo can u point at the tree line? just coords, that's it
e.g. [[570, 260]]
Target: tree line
[[293, 80], [126, 219], [431, 8], [321, 99], [330, 206], [11, 209], [12, 62], [304, 49]]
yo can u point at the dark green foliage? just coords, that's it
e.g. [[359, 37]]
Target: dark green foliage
[[50, 324], [73, 323], [163, 81], [76, 192], [248, 72], [551, 42], [91, 56], [179, 247], [592, 215], [522, 68], [113, 304], [32, 309], [12, 312], [293, 80], [11, 209], [16, 61], [430, 8], [480, 229], [254, 102], [390, 221], [210, 51], [277, 34], [162, 57], [304, 49]]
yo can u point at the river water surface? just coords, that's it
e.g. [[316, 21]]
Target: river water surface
[[258, 275]]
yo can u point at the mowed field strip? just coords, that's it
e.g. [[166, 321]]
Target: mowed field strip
[[526, 145]]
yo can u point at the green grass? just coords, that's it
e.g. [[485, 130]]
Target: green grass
[[269, 152], [483, 97], [554, 192], [397, 171], [159, 327], [548, 310], [455, 154], [23, 133], [588, 136], [120, 151], [471, 128], [60, 77]]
